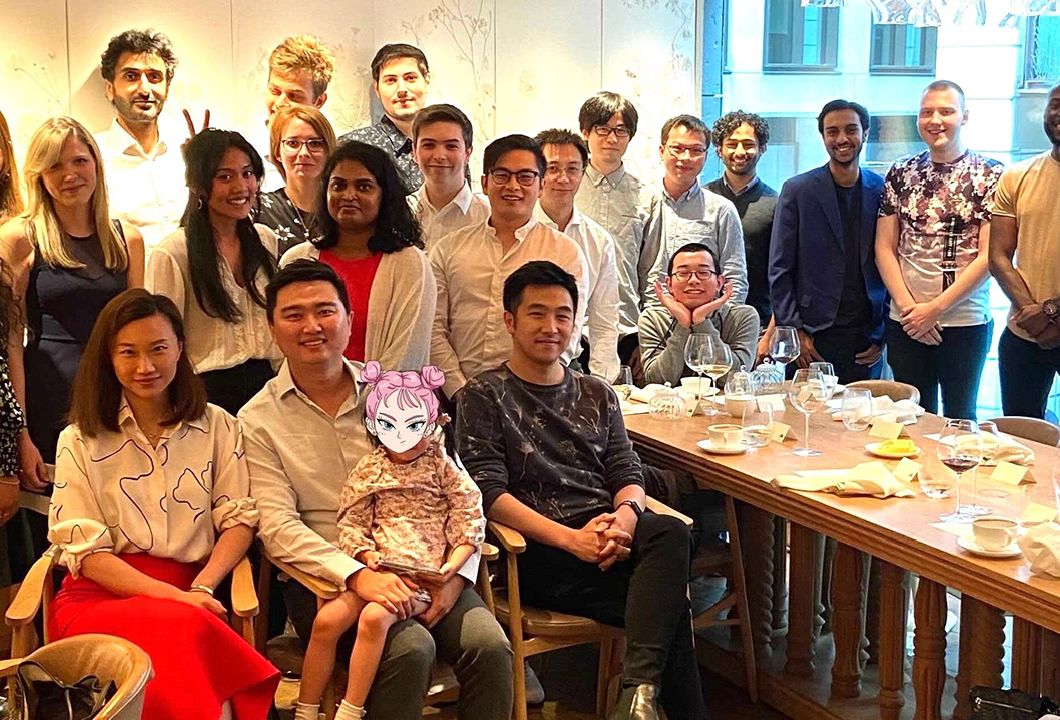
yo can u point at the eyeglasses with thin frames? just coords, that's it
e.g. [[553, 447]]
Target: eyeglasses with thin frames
[[604, 130], [313, 145], [526, 178], [686, 275], [571, 172], [695, 151]]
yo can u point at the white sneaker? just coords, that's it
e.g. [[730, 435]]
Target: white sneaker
[[535, 694]]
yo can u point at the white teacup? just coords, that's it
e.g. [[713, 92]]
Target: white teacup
[[994, 533], [728, 437], [736, 404], [700, 387]]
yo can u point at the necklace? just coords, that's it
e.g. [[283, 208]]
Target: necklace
[[301, 218]]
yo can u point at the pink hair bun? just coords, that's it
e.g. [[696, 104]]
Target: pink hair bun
[[432, 377]]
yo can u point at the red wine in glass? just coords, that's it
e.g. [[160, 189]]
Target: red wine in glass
[[960, 463]]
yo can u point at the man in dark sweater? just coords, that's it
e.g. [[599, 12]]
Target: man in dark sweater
[[548, 448], [740, 139]]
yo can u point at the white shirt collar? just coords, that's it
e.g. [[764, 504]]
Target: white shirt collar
[[125, 415], [462, 200], [123, 143], [520, 233], [543, 218]]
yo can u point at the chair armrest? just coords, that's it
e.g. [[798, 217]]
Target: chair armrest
[[323, 589], [489, 552], [27, 602], [510, 539], [9, 667], [659, 508], [244, 595]]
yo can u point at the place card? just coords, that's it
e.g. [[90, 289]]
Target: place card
[[906, 470], [1008, 473], [691, 406], [886, 430], [776, 402], [780, 431], [1037, 513]]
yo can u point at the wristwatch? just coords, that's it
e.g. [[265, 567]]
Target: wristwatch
[[1051, 309], [633, 505]]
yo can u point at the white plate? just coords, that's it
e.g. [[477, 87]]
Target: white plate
[[968, 543], [708, 446], [874, 449]]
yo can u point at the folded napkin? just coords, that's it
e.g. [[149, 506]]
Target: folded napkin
[[1005, 447], [869, 478], [883, 408], [1041, 546], [645, 393]]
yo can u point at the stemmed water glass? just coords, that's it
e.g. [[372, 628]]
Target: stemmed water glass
[[623, 382], [706, 354], [960, 448], [807, 394], [784, 347], [827, 374]]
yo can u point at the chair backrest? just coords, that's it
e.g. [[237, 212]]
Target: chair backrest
[[108, 658], [894, 390], [1029, 428]]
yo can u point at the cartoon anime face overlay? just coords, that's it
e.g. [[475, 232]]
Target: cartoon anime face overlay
[[400, 426]]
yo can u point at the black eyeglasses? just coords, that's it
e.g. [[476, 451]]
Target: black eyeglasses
[[604, 130], [313, 145], [686, 275], [526, 178]]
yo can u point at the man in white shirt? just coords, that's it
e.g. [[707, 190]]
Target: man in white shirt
[[471, 265], [566, 156], [303, 433], [144, 168], [441, 145]]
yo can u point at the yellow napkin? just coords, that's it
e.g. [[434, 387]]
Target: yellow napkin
[[868, 478]]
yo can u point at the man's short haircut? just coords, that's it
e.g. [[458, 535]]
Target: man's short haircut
[[598, 110], [728, 123], [838, 105], [492, 155], [394, 51], [443, 112], [559, 136], [937, 85], [538, 273], [303, 270], [689, 122], [304, 52], [138, 42], [693, 247]]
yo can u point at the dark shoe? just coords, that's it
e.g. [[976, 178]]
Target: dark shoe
[[535, 694], [637, 703]]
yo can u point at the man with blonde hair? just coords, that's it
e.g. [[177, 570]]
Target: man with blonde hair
[[300, 69]]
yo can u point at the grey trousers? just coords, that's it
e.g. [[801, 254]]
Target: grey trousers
[[468, 638]]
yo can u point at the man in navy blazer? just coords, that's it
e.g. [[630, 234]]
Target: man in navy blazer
[[822, 264]]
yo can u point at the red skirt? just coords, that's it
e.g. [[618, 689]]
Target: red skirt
[[198, 660]]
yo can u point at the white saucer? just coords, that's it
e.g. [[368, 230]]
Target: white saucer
[[708, 446], [968, 543]]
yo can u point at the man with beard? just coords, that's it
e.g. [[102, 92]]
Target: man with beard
[[1024, 228], [145, 172], [822, 265]]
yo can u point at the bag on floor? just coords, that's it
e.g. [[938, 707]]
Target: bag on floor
[[989, 703], [45, 697]]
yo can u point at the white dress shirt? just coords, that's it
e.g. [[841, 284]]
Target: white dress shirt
[[470, 268], [147, 191], [465, 209], [212, 343], [600, 314], [116, 493], [299, 458]]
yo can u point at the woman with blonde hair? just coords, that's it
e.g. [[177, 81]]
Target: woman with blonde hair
[[10, 192], [64, 259], [300, 141]]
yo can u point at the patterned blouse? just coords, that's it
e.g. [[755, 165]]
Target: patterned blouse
[[11, 423], [412, 512], [940, 208], [291, 225]]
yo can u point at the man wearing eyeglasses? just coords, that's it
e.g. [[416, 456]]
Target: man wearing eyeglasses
[[696, 298], [613, 197], [682, 211], [566, 156], [471, 265]]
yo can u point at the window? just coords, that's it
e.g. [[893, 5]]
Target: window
[[800, 39], [903, 50], [1042, 51]]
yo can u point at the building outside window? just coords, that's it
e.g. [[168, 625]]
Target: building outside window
[[800, 39], [903, 50]]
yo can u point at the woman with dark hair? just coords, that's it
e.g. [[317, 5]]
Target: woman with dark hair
[[371, 239], [151, 512], [216, 266], [10, 192]]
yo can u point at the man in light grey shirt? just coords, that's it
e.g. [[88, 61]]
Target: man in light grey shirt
[[303, 433]]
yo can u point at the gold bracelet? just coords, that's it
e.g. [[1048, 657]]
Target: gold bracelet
[[201, 588]]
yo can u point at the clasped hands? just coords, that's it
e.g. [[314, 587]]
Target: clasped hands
[[920, 321], [395, 592], [604, 540], [1033, 321]]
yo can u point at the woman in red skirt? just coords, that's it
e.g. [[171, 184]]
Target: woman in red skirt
[[151, 512]]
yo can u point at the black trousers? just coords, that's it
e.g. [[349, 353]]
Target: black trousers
[[1027, 371], [232, 387], [839, 346], [647, 595]]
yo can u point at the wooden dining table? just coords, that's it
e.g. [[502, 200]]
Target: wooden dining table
[[858, 669]]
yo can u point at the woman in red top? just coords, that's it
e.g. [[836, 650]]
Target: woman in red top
[[371, 239]]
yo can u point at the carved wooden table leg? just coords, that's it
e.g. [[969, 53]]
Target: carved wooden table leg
[[823, 621], [981, 648], [1050, 664], [929, 649], [894, 611], [849, 568], [872, 613], [1026, 656], [780, 575], [807, 554], [756, 533]]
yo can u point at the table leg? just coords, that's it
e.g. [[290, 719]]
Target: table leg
[[780, 572], [1026, 656], [894, 611], [756, 532], [822, 623], [981, 651], [807, 554], [872, 614], [1050, 664], [929, 649], [849, 569]]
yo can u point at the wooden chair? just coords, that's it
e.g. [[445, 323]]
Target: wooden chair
[[105, 656], [894, 390], [287, 652], [1029, 428]]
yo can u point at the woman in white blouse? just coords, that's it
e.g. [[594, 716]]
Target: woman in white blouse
[[216, 266], [151, 512]]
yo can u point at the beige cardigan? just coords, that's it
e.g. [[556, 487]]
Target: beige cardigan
[[400, 307]]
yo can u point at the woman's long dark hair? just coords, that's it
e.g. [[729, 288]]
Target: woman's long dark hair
[[202, 156], [396, 227]]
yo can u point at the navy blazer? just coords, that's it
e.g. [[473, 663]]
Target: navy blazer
[[806, 267]]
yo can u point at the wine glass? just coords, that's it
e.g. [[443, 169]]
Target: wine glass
[[623, 382], [828, 373], [960, 448], [719, 366], [807, 394], [784, 347], [698, 353], [757, 424], [857, 409]]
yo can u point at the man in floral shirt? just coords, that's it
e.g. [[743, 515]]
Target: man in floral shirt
[[931, 250]]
